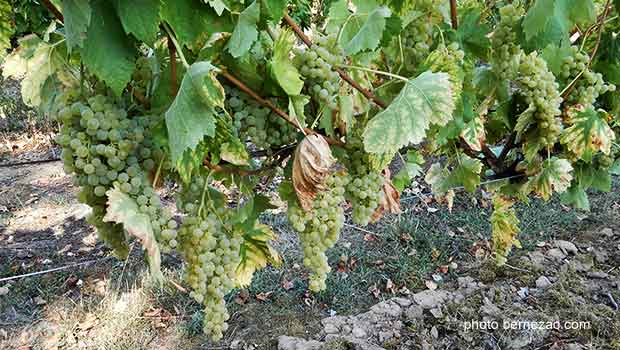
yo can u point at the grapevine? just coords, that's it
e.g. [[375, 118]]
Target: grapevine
[[500, 98]]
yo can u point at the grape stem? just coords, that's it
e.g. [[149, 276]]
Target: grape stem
[[53, 10], [454, 15], [368, 94], [364, 69], [178, 47], [174, 85]]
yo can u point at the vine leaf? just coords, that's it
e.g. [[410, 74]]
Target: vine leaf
[[234, 152], [311, 166], [108, 52], [140, 18], [218, 5], [281, 66], [548, 17], [472, 34], [425, 100], [245, 33], [296, 108], [35, 61], [412, 168], [193, 22], [504, 228], [6, 26], [439, 179], [588, 134], [555, 175], [273, 9], [337, 16], [122, 209], [361, 30], [256, 253], [77, 15], [576, 196], [192, 114], [474, 133]]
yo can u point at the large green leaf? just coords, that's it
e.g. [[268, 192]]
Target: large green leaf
[[108, 52], [77, 15], [337, 16], [472, 34], [193, 22], [273, 9], [140, 18], [548, 17], [363, 29], [192, 115], [245, 32], [425, 100], [282, 67], [576, 196], [588, 134], [123, 209]]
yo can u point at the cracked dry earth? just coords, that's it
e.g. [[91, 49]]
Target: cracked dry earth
[[564, 295]]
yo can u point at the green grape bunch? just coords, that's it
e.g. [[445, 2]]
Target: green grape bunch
[[506, 51], [417, 37], [320, 227], [539, 125], [589, 85], [105, 148], [317, 64], [211, 252], [259, 124]]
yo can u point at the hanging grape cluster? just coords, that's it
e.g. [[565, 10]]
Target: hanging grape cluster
[[320, 227], [417, 37], [317, 64], [589, 85], [506, 53], [364, 190], [211, 252], [264, 128], [538, 124], [105, 148]]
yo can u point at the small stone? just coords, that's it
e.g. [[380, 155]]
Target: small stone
[[598, 275], [566, 246], [39, 301], [402, 301], [436, 312], [543, 282], [385, 335], [600, 256], [358, 332], [464, 282], [429, 299], [331, 328], [4, 291], [387, 308], [556, 254], [607, 232], [523, 292], [414, 312], [292, 343], [434, 332]]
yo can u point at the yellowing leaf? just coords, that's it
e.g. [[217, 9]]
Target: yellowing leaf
[[555, 175], [256, 253], [425, 100], [122, 209], [474, 133], [589, 132], [311, 167], [505, 228]]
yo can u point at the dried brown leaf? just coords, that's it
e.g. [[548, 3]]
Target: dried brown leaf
[[390, 199], [311, 166], [263, 296]]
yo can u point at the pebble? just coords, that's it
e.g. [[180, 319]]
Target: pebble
[[543, 282], [566, 246]]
